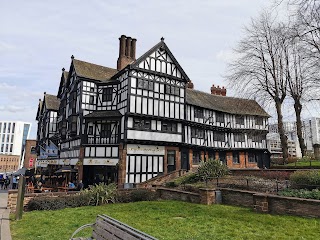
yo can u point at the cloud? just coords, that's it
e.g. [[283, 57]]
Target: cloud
[[6, 47], [4, 87], [13, 108]]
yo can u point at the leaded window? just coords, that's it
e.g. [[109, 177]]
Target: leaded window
[[107, 94], [240, 120], [220, 117], [169, 127], [259, 121], [235, 157], [251, 158], [145, 84], [169, 89], [219, 136], [142, 124], [105, 130], [197, 133], [238, 137], [198, 112]]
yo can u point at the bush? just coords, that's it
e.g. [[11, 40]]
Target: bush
[[142, 195], [305, 178], [211, 169], [55, 203], [188, 178], [99, 194], [170, 184], [301, 193]]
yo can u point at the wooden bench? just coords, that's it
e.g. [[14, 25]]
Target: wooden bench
[[107, 228]]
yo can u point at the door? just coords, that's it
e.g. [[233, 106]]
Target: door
[[171, 157], [185, 159]]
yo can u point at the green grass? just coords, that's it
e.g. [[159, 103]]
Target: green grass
[[169, 220]]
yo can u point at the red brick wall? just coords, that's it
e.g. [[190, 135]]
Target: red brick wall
[[28, 155]]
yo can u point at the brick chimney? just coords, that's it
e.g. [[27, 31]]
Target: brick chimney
[[218, 91], [127, 51], [190, 84]]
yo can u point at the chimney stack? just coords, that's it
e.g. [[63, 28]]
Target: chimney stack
[[218, 91], [127, 51], [190, 84]]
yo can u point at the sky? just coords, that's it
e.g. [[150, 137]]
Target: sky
[[37, 39]]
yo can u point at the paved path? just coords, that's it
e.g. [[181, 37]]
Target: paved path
[[4, 217]]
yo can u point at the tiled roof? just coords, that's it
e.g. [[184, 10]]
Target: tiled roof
[[225, 104], [65, 74], [93, 71], [104, 114], [52, 102]]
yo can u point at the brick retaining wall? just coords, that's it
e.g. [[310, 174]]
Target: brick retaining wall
[[237, 197], [174, 194], [263, 203]]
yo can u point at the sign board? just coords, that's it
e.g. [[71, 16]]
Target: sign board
[[49, 151], [31, 161], [145, 149], [102, 161]]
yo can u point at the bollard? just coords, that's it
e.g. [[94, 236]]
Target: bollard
[[20, 199]]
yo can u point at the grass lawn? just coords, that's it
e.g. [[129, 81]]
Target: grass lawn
[[169, 220]]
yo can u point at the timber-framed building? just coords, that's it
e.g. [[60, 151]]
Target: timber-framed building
[[144, 119]]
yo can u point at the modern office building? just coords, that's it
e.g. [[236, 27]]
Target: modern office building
[[144, 119], [13, 136]]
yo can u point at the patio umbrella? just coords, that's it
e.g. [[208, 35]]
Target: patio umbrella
[[21, 171], [66, 169]]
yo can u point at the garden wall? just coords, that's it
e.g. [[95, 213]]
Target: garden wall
[[173, 194], [262, 172], [263, 203], [13, 195], [273, 204]]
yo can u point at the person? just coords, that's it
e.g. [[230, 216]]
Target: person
[[14, 182], [80, 185], [6, 182], [1, 183], [71, 185]]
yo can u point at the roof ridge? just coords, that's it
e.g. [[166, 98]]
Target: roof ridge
[[94, 64], [248, 99]]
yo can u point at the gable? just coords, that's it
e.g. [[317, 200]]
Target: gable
[[63, 80], [160, 59]]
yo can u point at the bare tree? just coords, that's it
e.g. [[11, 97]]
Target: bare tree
[[259, 70], [308, 23], [306, 28]]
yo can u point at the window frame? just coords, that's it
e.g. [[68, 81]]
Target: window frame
[[107, 93]]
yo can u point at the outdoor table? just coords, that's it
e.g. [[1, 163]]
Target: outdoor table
[[30, 189], [66, 189], [47, 189]]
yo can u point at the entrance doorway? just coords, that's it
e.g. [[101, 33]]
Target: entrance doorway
[[96, 174], [171, 157], [185, 159]]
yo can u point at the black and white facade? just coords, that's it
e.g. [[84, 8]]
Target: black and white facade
[[141, 120]]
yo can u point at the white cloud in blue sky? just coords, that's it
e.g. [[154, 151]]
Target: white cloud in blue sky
[[38, 37]]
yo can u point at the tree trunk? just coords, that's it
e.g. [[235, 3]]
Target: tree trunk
[[298, 108], [283, 137]]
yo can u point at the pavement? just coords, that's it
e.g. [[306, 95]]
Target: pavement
[[5, 233]]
